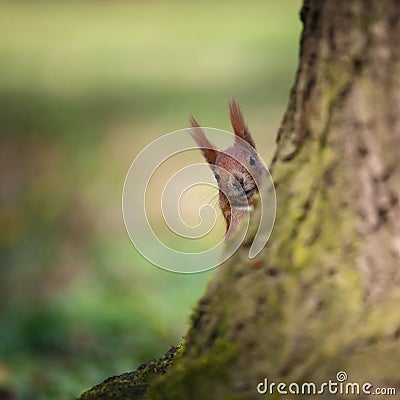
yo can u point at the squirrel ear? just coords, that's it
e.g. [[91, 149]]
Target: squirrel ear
[[238, 124], [209, 151]]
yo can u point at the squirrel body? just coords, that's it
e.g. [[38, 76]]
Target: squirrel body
[[237, 169]]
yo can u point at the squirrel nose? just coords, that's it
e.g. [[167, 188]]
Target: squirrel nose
[[240, 179], [239, 182]]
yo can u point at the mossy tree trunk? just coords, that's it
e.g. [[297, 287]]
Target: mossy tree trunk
[[324, 295]]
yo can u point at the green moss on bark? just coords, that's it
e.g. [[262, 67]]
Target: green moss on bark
[[196, 376], [131, 385]]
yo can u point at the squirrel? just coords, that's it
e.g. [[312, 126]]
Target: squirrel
[[238, 169]]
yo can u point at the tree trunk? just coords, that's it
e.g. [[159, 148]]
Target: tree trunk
[[324, 294]]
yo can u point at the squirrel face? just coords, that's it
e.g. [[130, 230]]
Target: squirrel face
[[234, 171], [238, 169]]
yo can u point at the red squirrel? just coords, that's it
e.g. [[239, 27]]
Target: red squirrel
[[238, 169]]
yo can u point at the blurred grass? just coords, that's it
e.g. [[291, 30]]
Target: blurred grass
[[83, 87]]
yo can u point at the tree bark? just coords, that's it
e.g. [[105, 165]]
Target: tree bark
[[324, 294]]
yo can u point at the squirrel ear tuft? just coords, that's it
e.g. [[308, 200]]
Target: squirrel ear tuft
[[238, 124], [209, 151]]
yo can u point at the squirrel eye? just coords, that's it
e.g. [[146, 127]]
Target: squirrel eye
[[252, 160], [217, 176]]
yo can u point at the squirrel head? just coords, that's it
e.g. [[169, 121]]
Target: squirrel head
[[237, 169]]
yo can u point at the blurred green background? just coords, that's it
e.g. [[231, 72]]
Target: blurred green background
[[84, 86]]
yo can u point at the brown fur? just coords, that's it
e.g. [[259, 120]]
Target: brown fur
[[233, 167]]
